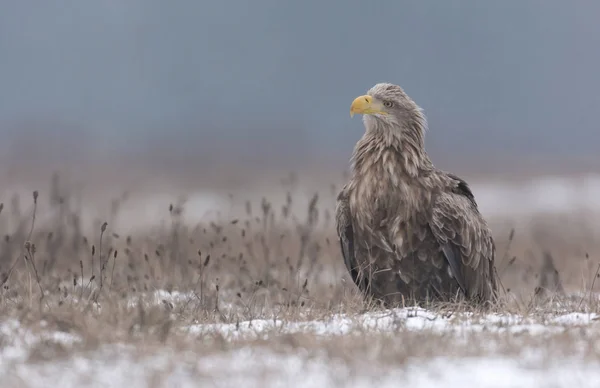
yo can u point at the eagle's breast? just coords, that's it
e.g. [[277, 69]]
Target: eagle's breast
[[384, 197]]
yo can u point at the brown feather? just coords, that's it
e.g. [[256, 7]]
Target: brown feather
[[409, 231]]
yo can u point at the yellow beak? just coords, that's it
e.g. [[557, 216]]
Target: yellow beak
[[366, 106]]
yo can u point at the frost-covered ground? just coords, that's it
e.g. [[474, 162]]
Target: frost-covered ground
[[412, 346], [556, 346]]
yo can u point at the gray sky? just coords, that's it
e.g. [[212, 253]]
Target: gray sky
[[273, 80]]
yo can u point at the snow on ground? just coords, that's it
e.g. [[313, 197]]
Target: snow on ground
[[249, 364], [249, 367], [16, 342], [399, 319]]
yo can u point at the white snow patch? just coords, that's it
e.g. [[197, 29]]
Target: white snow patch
[[416, 319], [259, 367], [161, 296], [121, 365], [16, 341], [499, 372]]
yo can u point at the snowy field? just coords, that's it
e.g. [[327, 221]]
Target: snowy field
[[410, 346], [244, 334]]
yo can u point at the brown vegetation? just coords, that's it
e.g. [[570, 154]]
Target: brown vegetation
[[266, 263]]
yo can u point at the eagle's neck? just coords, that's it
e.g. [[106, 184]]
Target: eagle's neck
[[390, 173], [387, 141]]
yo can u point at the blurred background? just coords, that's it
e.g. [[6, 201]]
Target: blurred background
[[194, 93]]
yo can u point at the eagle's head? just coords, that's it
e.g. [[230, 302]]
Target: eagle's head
[[387, 105]]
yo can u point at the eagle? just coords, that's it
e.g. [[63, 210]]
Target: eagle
[[409, 232]]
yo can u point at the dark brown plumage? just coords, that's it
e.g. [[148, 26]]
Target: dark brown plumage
[[409, 232]]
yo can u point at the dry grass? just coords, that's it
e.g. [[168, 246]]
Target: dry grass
[[267, 263]]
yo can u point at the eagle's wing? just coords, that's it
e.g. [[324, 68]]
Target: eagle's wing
[[465, 239], [345, 232]]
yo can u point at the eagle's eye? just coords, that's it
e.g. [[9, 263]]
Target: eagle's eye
[[388, 104]]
